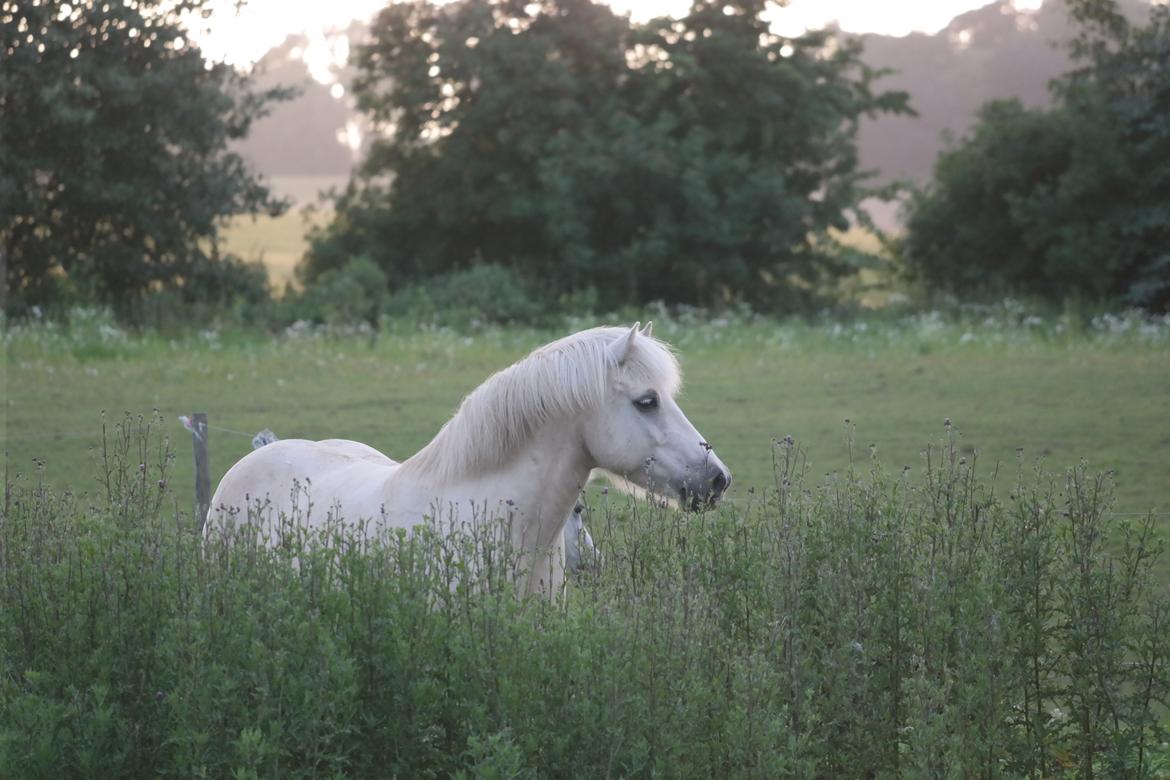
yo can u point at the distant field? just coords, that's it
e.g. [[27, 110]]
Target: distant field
[[1057, 396], [306, 190], [280, 243]]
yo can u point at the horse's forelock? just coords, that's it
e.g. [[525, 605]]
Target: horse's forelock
[[575, 373], [652, 363]]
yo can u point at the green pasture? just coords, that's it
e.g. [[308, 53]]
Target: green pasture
[[1015, 393]]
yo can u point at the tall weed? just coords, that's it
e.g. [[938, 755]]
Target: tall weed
[[875, 625]]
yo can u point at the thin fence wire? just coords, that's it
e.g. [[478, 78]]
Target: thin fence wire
[[729, 500], [229, 430], [97, 434]]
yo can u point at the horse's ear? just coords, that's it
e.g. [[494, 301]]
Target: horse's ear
[[646, 331], [620, 349]]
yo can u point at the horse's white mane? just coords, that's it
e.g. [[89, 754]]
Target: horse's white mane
[[558, 380]]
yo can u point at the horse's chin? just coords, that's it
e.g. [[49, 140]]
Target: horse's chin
[[667, 492]]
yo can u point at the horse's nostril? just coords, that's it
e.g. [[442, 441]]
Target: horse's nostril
[[719, 484]]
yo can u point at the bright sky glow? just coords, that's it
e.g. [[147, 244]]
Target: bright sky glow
[[262, 24], [893, 17]]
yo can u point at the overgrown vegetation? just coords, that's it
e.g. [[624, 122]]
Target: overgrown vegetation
[[906, 623]]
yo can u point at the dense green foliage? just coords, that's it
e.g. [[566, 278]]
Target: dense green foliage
[[694, 160], [357, 293], [114, 162], [874, 625], [1071, 201]]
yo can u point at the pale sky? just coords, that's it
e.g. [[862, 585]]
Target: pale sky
[[263, 24]]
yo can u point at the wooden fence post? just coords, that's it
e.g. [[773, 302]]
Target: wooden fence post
[[199, 438]]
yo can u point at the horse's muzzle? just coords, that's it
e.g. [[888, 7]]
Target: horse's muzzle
[[714, 483]]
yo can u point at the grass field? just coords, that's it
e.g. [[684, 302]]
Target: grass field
[[876, 626], [1017, 393], [885, 625]]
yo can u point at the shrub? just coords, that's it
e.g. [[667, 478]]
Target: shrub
[[220, 289], [357, 293], [876, 625], [962, 232], [353, 294], [481, 295]]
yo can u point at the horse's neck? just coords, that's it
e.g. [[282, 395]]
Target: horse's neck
[[549, 475], [539, 482]]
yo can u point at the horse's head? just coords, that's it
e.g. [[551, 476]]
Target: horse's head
[[640, 433]]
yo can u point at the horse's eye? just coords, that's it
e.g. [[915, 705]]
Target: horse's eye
[[647, 402]]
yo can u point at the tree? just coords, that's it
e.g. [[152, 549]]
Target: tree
[[965, 232], [1124, 80], [687, 160], [114, 169], [1069, 201]]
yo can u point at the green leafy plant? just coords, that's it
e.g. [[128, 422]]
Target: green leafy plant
[[902, 624]]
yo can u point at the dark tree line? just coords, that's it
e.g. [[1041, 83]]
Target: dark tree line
[[688, 160], [560, 148], [114, 168]]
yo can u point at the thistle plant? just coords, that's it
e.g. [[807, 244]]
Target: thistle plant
[[902, 621]]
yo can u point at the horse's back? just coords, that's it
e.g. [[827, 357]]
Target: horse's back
[[302, 477], [358, 450]]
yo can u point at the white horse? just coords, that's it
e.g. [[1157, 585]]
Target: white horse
[[521, 445]]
